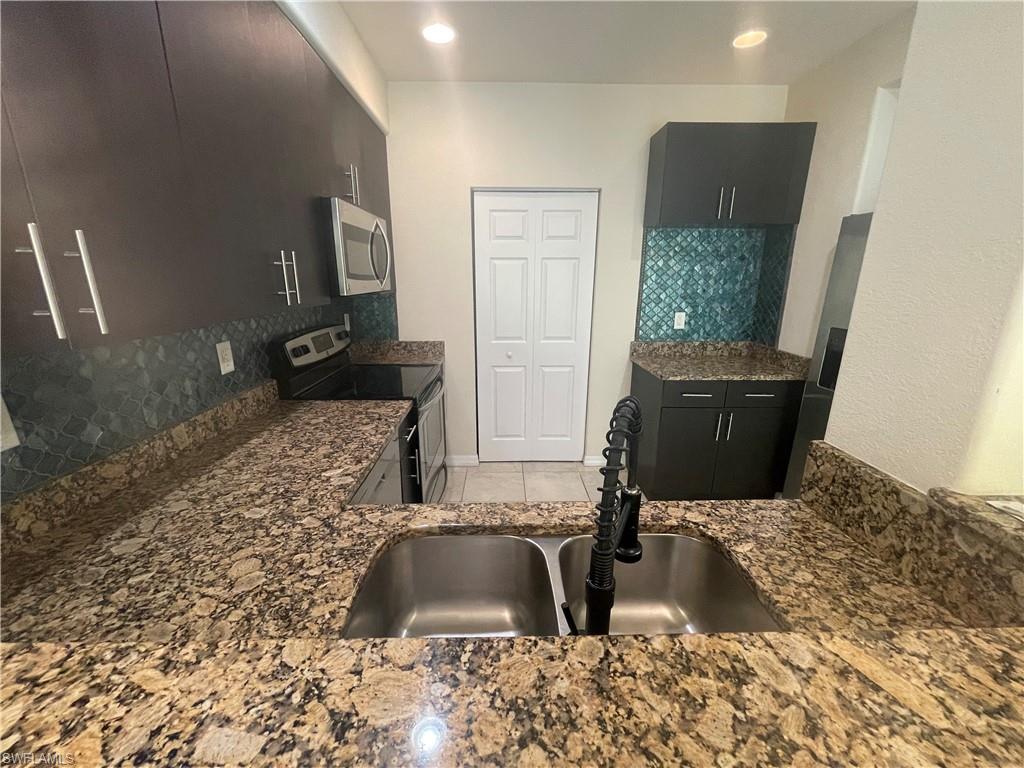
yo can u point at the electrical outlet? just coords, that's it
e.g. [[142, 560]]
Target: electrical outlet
[[679, 322], [225, 358]]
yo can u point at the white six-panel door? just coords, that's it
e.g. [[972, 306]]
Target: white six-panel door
[[534, 258]]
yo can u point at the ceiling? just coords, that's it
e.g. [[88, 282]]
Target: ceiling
[[613, 42]]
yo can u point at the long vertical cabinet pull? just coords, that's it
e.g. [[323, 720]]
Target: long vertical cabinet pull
[[353, 175], [732, 202], [718, 426], [728, 429], [721, 199], [44, 275], [90, 278], [287, 292], [295, 278]]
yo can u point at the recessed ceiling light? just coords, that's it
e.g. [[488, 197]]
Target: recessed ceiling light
[[440, 34], [748, 39]]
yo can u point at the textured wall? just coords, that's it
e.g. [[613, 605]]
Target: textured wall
[[73, 407], [944, 257], [839, 96], [447, 138], [729, 282]]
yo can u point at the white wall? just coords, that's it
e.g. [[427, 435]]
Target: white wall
[[447, 138], [333, 35], [938, 295], [839, 96]]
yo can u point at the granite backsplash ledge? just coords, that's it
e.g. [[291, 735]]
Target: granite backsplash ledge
[[29, 524], [962, 560]]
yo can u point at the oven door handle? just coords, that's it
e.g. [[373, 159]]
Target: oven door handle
[[433, 398]]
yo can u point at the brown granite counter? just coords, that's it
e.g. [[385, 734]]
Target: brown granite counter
[[707, 361], [203, 626], [391, 352]]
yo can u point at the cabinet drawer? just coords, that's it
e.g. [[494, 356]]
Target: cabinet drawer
[[762, 394], [693, 394]]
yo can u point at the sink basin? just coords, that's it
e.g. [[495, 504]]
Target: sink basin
[[455, 586], [682, 584]]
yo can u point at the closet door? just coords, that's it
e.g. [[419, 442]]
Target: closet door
[[534, 262]]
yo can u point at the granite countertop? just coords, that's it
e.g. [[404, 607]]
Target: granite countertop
[[708, 361], [391, 352], [204, 626]]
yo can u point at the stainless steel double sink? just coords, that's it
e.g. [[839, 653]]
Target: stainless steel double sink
[[505, 586]]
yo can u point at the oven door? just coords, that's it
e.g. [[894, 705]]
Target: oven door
[[432, 447], [363, 259]]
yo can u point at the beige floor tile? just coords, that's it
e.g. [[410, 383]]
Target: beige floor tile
[[493, 486], [555, 486], [456, 484], [486, 467], [552, 466]]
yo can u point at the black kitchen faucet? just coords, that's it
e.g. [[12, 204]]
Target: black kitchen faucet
[[618, 515]]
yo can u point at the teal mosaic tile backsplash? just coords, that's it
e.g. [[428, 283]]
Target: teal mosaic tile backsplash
[[731, 283], [75, 406]]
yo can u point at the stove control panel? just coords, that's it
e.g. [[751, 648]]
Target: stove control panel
[[317, 345]]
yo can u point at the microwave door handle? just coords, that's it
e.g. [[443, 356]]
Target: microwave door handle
[[369, 255], [387, 249]]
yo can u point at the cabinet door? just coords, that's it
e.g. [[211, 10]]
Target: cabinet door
[[696, 169], [373, 167], [753, 440], [23, 295], [768, 173], [687, 447], [227, 130], [279, 60], [86, 88]]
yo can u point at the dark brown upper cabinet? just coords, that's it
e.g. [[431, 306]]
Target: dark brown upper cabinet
[[167, 155], [238, 71], [727, 174], [28, 323], [91, 115]]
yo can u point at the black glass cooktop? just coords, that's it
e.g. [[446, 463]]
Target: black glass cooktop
[[374, 382], [385, 382]]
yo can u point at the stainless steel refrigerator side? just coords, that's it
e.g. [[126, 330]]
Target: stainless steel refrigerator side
[[835, 313]]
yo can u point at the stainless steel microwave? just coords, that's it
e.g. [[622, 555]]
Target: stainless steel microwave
[[362, 261]]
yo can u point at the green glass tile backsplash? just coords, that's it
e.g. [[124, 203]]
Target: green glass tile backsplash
[[730, 283]]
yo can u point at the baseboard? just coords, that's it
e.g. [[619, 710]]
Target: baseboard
[[593, 461], [469, 460]]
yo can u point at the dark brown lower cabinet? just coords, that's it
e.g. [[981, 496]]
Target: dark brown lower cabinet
[[686, 451], [750, 452], [714, 439]]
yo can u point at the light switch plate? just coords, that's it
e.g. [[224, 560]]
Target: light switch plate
[[679, 322], [225, 358]]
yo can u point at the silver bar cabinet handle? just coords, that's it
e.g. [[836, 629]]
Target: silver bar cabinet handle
[[44, 275], [295, 276], [721, 198], [732, 202], [353, 176], [359, 191], [759, 394], [287, 292], [416, 462], [90, 278], [696, 394], [728, 430], [718, 427]]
